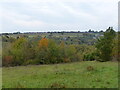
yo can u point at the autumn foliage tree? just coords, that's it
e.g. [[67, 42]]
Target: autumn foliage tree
[[47, 51], [43, 43], [19, 52], [42, 51]]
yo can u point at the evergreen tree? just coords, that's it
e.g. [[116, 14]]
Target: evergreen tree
[[105, 45]]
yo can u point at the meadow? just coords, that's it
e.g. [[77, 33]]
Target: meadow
[[84, 74]]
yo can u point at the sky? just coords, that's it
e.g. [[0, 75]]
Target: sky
[[57, 15], [119, 16]]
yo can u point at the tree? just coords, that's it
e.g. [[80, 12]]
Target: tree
[[70, 52], [104, 45], [116, 48], [53, 52], [42, 51], [43, 43], [17, 51], [47, 52], [21, 51], [62, 48]]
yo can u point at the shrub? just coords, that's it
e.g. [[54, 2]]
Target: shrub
[[90, 68], [32, 62], [7, 60], [57, 85], [89, 57], [66, 60]]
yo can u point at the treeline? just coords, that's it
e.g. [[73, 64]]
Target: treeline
[[62, 32], [22, 51], [46, 51]]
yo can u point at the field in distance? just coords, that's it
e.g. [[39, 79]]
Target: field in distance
[[89, 74]]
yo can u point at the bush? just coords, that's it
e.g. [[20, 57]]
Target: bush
[[7, 60], [31, 62], [90, 57], [90, 68], [66, 60]]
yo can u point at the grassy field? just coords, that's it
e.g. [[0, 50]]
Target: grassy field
[[0, 78], [71, 75]]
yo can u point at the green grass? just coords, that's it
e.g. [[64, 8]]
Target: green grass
[[0, 78], [71, 75]]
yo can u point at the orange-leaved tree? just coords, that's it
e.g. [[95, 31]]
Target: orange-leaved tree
[[42, 51], [43, 43]]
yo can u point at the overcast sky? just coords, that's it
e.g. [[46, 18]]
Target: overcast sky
[[57, 15]]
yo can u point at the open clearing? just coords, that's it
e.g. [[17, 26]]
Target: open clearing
[[89, 74]]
